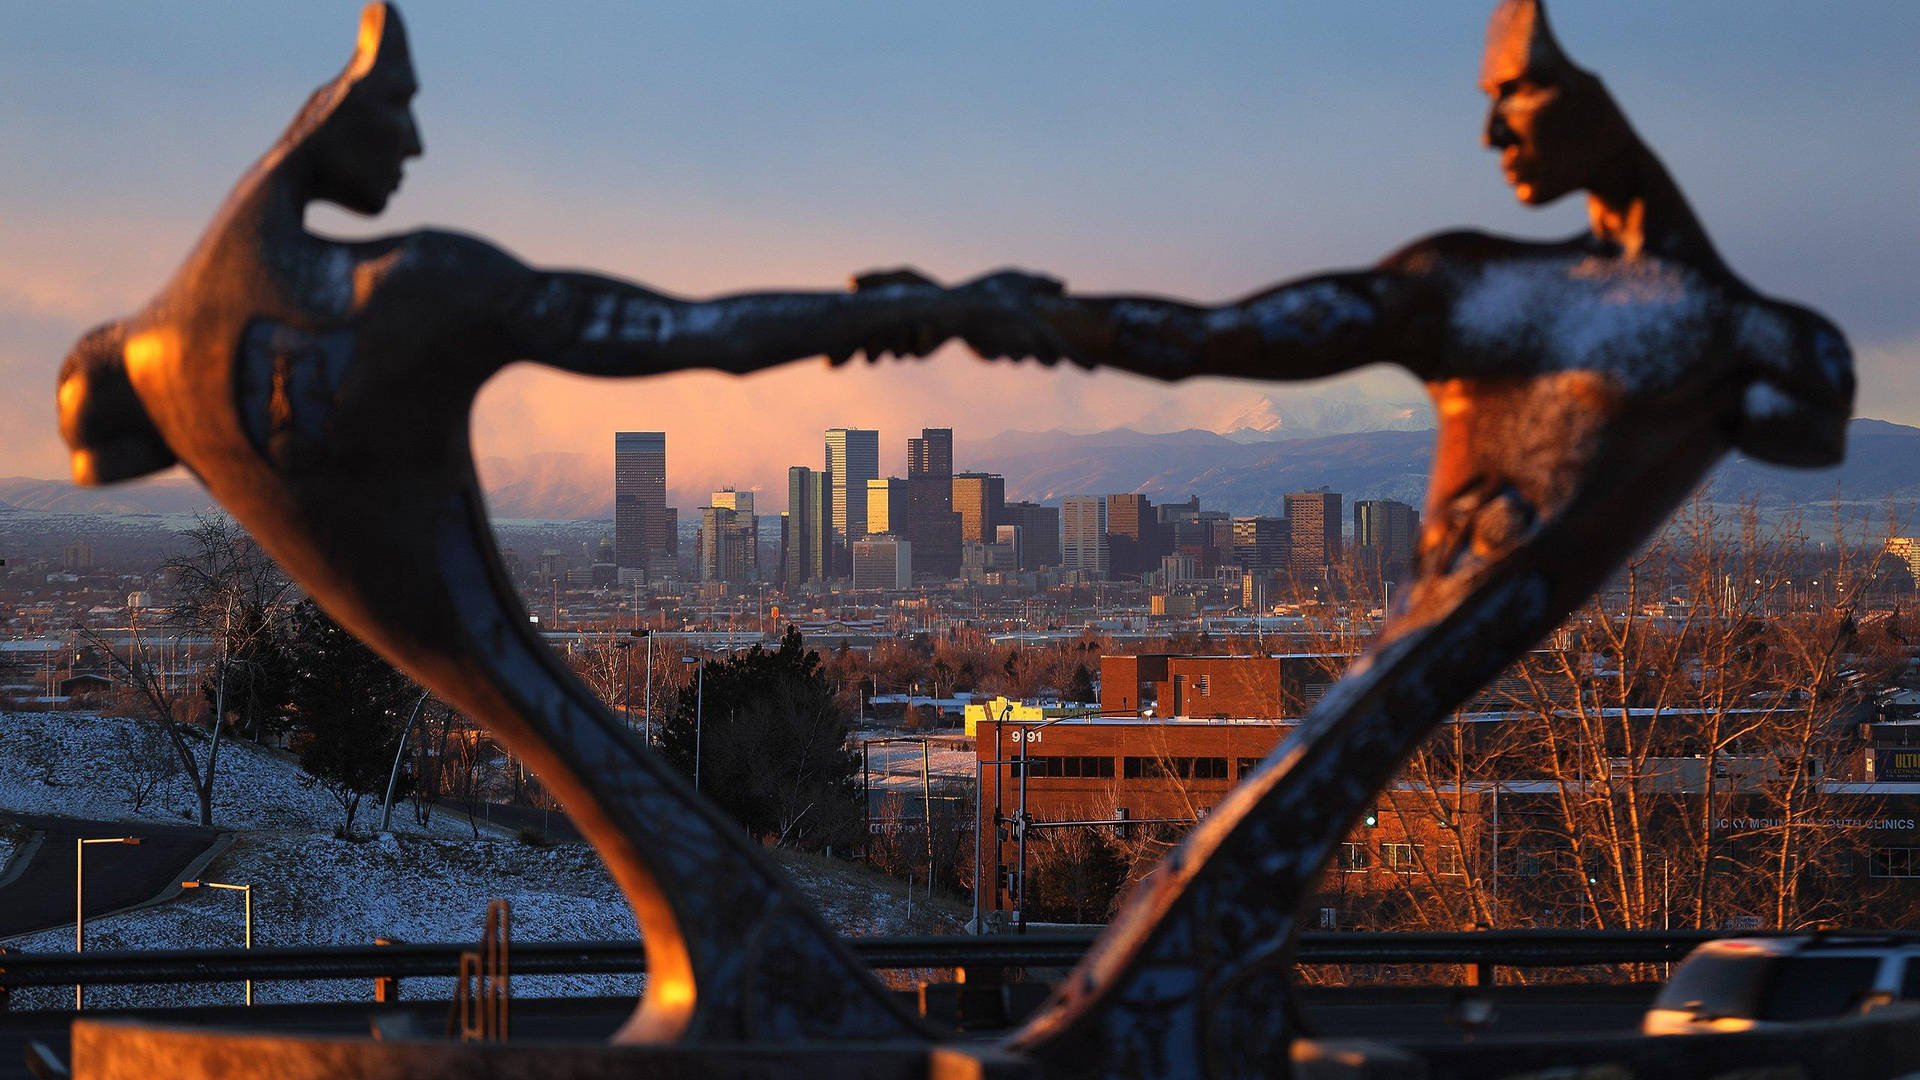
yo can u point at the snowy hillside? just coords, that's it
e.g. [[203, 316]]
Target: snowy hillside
[[311, 888], [74, 765]]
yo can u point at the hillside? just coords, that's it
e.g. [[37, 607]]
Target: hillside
[[311, 887]]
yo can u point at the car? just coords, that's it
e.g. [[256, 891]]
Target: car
[[1748, 984]]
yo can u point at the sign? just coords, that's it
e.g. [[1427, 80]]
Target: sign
[[1893, 763], [1020, 735]]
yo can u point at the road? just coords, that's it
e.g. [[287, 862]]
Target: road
[[118, 876]]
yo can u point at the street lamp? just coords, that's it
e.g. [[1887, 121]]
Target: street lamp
[[699, 711], [626, 665], [393, 777], [79, 913], [246, 897]]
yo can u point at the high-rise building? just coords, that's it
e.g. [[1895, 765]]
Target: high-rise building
[[1014, 539], [1133, 534], [1039, 533], [642, 533], [887, 506], [1385, 535], [979, 499], [1315, 520], [882, 562], [744, 552], [932, 525], [931, 454], [809, 528], [718, 536], [1219, 533], [1261, 543], [1083, 536], [852, 459]]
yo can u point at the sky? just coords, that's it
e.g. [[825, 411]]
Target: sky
[[1203, 150]]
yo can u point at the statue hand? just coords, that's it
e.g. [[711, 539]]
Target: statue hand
[[1001, 318], [920, 326]]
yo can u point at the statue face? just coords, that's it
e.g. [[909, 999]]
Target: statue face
[[1546, 136], [1554, 124], [363, 146]]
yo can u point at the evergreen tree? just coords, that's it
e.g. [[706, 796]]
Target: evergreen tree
[[347, 706], [771, 745], [1081, 689]]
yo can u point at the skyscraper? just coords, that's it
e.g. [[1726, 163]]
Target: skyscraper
[[882, 562], [979, 499], [1262, 543], [1385, 534], [746, 551], [852, 459], [931, 454], [1039, 533], [641, 530], [809, 527], [932, 526], [887, 506], [1315, 519], [1083, 538], [1133, 534], [722, 545]]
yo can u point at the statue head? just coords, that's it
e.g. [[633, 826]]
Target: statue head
[[1554, 124], [357, 132], [106, 427]]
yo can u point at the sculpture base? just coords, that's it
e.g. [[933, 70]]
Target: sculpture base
[[107, 1050]]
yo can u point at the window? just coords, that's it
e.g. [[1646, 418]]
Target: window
[[1910, 981], [1895, 862], [1184, 768], [1329, 918], [1353, 858], [1447, 860], [1403, 858], [1073, 766], [1816, 987], [1247, 765]]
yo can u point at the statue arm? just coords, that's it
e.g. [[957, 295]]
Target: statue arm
[[601, 326], [1300, 330]]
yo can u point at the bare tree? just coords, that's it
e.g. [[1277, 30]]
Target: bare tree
[[140, 761], [155, 677], [228, 589]]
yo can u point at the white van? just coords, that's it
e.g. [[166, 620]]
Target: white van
[[1743, 984]]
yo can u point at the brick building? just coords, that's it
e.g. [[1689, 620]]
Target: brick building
[[1273, 687]]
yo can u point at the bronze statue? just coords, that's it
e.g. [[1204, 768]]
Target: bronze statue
[[321, 391], [1582, 388]]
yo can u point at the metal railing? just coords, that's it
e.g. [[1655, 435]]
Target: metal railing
[[1486, 949]]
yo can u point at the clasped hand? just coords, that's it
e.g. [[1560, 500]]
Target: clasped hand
[[995, 314]]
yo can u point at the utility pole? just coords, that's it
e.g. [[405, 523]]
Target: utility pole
[[926, 808]]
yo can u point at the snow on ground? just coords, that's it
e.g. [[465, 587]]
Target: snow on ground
[[312, 888], [73, 764], [11, 840]]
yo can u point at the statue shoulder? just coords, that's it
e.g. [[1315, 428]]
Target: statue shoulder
[[1456, 249], [461, 256]]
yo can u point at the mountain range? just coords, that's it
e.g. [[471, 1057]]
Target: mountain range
[[1229, 471]]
